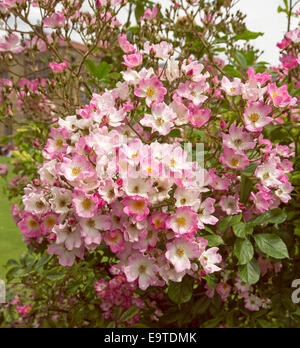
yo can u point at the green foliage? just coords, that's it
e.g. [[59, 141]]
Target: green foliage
[[275, 216], [243, 250], [241, 230], [249, 272], [271, 245], [214, 240], [229, 221], [181, 292], [247, 35], [231, 71], [183, 304]]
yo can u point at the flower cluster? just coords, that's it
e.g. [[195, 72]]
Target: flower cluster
[[118, 173], [118, 293]]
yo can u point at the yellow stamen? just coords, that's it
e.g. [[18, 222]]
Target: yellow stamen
[[142, 269], [139, 205], [86, 204], [179, 252], [234, 162], [76, 171], [157, 223], [181, 221], [33, 224], [150, 91], [254, 117], [59, 143], [50, 222]]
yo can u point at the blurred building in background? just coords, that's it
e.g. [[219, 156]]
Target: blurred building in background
[[38, 68]]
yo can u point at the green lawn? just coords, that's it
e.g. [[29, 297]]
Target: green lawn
[[11, 245]]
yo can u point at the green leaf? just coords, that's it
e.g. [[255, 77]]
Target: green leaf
[[214, 240], [115, 75], [129, 314], [42, 261], [209, 230], [111, 325], [212, 323], [247, 35], [246, 188], [297, 231], [100, 71], [260, 67], [54, 274], [201, 306], [103, 69], [91, 67], [241, 230], [211, 280], [139, 10], [239, 57], [274, 216], [44, 60], [280, 9], [250, 57], [140, 326], [181, 292], [229, 221], [231, 71], [266, 324], [250, 272], [134, 30], [175, 133], [243, 250], [248, 171], [271, 245], [12, 262]]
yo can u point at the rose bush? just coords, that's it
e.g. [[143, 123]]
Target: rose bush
[[174, 187]]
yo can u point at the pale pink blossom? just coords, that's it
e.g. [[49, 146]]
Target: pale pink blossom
[[163, 50], [133, 60], [158, 220], [231, 88], [256, 116], [232, 159], [30, 226], [91, 228], [85, 204], [205, 211], [294, 35], [253, 303], [209, 258], [125, 45], [136, 206], [11, 44], [224, 290], [183, 221], [150, 89], [59, 67], [161, 119], [69, 236], [55, 21], [66, 257], [230, 205], [237, 139], [280, 96], [268, 174], [180, 252], [115, 240], [141, 268], [198, 117]]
